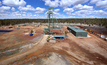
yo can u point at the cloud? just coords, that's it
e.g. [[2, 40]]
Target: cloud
[[34, 15], [56, 10], [100, 3], [40, 16], [52, 3], [82, 12], [68, 10], [85, 7], [24, 15], [56, 14], [17, 14], [63, 3], [0, 3], [100, 12], [28, 7], [4, 8], [90, 12], [3, 15], [29, 14], [40, 10], [94, 1], [14, 2], [66, 3], [13, 9], [23, 12]]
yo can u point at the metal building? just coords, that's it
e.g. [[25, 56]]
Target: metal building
[[58, 37], [77, 32]]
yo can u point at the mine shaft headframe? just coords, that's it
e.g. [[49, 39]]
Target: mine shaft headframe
[[50, 19], [50, 12], [50, 8]]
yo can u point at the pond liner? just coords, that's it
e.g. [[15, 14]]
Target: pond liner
[[6, 30]]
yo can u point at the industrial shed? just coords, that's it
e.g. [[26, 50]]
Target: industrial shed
[[77, 32], [58, 37]]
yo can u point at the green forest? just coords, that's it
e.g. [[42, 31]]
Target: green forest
[[89, 21]]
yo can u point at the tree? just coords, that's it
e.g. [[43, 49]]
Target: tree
[[66, 32], [31, 31]]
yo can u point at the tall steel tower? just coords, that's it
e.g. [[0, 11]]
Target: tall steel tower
[[52, 22]]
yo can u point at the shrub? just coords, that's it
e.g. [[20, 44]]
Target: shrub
[[31, 31]]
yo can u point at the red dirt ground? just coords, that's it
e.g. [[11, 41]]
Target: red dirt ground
[[78, 50]]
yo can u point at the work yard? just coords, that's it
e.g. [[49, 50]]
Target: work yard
[[18, 47]]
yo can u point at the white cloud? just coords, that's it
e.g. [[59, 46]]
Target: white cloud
[[14, 2], [23, 14], [56, 14], [3, 15], [40, 16], [63, 3], [18, 14], [52, 3], [66, 3], [85, 7], [100, 12], [82, 12], [0, 3], [100, 3], [28, 7], [4, 8], [13, 9], [94, 1], [56, 10], [29, 14], [90, 12], [40, 10], [15, 15], [68, 10], [34, 15]]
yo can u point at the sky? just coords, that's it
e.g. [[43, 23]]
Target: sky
[[34, 9]]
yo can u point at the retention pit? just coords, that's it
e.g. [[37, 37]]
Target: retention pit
[[5, 31]]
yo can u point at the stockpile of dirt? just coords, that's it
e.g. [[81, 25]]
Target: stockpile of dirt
[[51, 58]]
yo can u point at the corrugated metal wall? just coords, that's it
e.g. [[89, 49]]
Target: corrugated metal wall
[[77, 34]]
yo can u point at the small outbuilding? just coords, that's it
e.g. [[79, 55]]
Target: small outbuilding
[[77, 32], [58, 37]]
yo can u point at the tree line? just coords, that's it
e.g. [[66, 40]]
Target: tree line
[[89, 21]]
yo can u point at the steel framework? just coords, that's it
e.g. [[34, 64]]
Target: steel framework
[[52, 22]]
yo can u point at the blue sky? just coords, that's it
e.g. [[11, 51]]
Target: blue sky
[[12, 9]]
